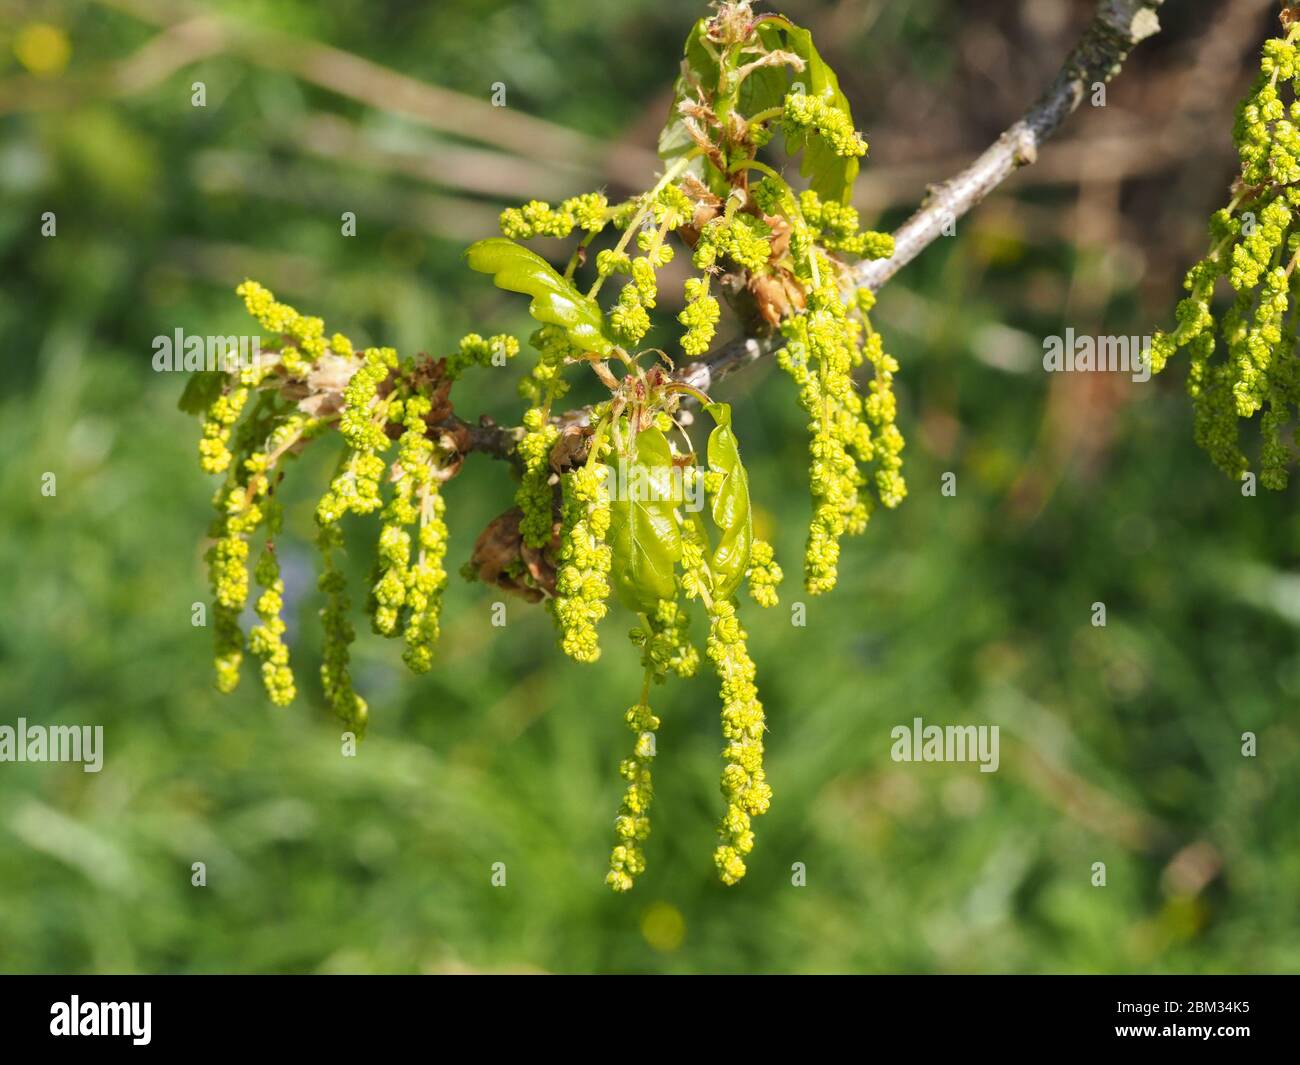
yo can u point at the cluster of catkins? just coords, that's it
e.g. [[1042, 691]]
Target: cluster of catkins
[[855, 447], [1243, 356], [301, 385], [581, 533]]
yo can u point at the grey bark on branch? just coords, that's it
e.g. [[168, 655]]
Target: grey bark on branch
[[1117, 27]]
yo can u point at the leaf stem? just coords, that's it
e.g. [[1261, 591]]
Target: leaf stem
[[682, 386], [766, 116], [671, 174]]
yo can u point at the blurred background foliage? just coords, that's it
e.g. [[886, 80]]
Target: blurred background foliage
[[1120, 744]]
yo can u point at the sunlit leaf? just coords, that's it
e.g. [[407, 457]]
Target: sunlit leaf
[[831, 176], [201, 390], [555, 301], [730, 504], [643, 531], [699, 72]]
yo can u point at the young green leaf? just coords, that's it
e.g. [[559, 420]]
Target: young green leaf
[[201, 390], [831, 176], [555, 301], [699, 73], [643, 532], [730, 504]]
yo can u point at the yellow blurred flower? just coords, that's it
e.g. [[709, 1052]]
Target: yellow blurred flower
[[663, 927], [43, 49]]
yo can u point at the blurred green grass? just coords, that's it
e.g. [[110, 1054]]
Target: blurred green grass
[[1119, 744]]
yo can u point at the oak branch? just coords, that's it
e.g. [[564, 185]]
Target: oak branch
[[1116, 28]]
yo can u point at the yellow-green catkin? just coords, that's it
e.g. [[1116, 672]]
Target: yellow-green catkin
[[228, 579], [293, 342], [807, 113], [266, 640], [663, 211], [763, 575], [824, 345], [283, 322], [363, 424], [475, 350], [744, 783], [582, 580], [356, 487], [534, 496], [1243, 357], [218, 422], [880, 405], [239, 514], [588, 212], [545, 382], [335, 670], [632, 826], [665, 648], [393, 550], [427, 579], [250, 463], [541, 388], [700, 317], [837, 227], [740, 237]]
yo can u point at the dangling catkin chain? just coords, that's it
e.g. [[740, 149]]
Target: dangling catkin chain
[[627, 506]]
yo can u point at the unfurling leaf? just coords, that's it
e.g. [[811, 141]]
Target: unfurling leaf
[[643, 532], [730, 504], [699, 72], [831, 176], [555, 301], [201, 390]]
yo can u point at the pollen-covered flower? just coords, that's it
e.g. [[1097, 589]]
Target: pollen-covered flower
[[744, 783], [426, 580], [534, 494], [582, 581], [609, 262], [836, 226], [411, 471], [214, 455], [305, 333], [536, 218], [824, 345], [815, 114], [266, 639], [742, 238], [763, 574], [700, 317], [335, 670], [629, 317], [1243, 357], [475, 350], [632, 826]]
